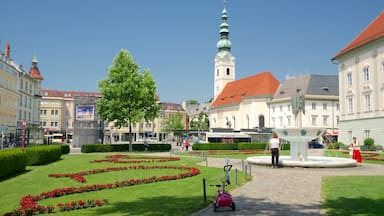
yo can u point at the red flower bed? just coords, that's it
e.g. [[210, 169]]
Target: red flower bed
[[29, 204]]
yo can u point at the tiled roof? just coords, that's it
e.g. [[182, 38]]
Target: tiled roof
[[67, 94], [312, 84], [262, 84], [171, 107], [35, 73], [373, 31]]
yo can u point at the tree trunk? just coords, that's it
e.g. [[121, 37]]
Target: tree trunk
[[130, 137]]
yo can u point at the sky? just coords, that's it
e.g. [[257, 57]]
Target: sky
[[76, 41]]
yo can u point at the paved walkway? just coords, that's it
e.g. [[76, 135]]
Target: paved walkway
[[283, 191]]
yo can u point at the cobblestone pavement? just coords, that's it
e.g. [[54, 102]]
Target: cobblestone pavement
[[283, 191]]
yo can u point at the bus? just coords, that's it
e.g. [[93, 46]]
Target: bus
[[216, 137], [55, 138]]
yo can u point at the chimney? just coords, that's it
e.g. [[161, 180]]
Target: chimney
[[7, 50]]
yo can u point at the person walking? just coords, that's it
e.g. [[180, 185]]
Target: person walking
[[356, 154], [274, 146]]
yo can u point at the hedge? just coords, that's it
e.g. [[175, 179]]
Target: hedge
[[235, 146], [88, 148], [12, 161], [40, 155]]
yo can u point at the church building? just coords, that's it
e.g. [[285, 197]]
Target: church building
[[238, 104]]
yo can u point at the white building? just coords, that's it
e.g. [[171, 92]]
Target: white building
[[309, 101], [361, 84], [238, 104]]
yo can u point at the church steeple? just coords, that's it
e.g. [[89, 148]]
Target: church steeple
[[34, 70], [224, 44], [224, 61]]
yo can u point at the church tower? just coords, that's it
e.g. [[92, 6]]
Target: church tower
[[224, 61]]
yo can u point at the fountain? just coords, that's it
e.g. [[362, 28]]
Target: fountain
[[299, 139]]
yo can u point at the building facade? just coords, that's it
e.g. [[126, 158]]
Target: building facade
[[57, 111], [238, 104], [310, 101], [361, 83], [19, 100]]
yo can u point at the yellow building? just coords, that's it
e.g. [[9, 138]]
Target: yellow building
[[57, 111]]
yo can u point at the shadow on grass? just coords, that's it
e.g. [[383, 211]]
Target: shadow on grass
[[14, 175], [175, 206], [355, 206], [162, 205]]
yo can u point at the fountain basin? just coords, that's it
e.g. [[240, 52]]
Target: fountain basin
[[311, 162]]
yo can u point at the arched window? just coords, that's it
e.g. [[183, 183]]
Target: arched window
[[261, 121], [228, 71]]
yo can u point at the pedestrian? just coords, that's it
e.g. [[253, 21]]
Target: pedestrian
[[274, 146], [186, 144], [146, 145], [356, 154]]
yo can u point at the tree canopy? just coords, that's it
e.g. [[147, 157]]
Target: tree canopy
[[128, 95]]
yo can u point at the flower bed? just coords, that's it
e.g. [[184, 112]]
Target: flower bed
[[29, 203]]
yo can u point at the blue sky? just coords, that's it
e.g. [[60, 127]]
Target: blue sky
[[77, 40]]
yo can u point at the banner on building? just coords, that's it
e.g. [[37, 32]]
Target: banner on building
[[85, 113]]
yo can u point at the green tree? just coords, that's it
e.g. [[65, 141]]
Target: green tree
[[200, 122], [129, 96], [174, 122]]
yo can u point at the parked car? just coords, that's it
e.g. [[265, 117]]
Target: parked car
[[315, 145]]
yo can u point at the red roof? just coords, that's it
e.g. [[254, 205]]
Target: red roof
[[262, 84], [373, 31], [68, 94], [35, 73]]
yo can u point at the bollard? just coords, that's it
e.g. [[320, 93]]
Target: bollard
[[236, 176], [242, 165], [245, 173], [204, 191]]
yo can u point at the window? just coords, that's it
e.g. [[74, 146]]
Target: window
[[217, 72], [273, 121], [324, 106], [314, 120], [52, 112], [281, 108], [366, 73], [313, 106], [366, 134], [337, 120], [228, 71], [56, 112], [288, 121], [281, 121], [325, 120], [337, 106], [350, 104], [349, 78], [367, 99], [289, 107], [273, 109]]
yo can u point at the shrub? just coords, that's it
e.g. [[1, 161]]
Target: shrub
[[88, 148], [369, 144], [65, 149], [40, 155], [12, 161]]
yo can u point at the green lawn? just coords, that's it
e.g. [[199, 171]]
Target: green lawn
[[174, 197], [353, 195]]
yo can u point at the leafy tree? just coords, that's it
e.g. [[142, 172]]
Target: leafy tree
[[192, 102], [174, 122], [129, 96], [200, 122]]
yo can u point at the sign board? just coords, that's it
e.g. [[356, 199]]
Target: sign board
[[85, 113]]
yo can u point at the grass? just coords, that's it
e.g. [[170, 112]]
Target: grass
[[176, 197], [353, 195]]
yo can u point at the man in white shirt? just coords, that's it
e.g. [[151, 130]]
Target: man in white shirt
[[274, 146]]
